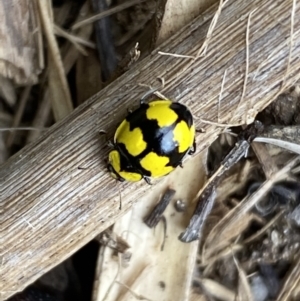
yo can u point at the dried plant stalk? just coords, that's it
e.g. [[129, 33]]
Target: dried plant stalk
[[59, 89], [50, 207], [21, 53]]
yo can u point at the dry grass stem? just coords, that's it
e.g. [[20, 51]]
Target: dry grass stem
[[208, 182], [18, 115], [267, 162], [202, 50], [223, 254], [291, 42], [70, 54], [62, 104], [244, 290], [264, 229], [40, 119], [133, 293], [230, 232], [221, 125], [290, 146], [221, 94], [176, 55], [75, 40], [106, 13], [214, 241], [246, 69], [39, 30]]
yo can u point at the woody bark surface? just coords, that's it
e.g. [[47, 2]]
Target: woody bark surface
[[56, 195]]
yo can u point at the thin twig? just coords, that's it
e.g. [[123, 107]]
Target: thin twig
[[203, 48], [247, 66], [222, 125], [137, 296], [177, 55], [291, 42], [106, 13], [67, 106], [19, 114], [75, 40], [221, 94]]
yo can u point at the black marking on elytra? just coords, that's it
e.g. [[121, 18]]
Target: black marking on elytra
[[183, 113], [129, 163], [158, 139]]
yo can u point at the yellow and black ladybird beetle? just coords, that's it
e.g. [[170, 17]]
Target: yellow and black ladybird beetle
[[152, 141]]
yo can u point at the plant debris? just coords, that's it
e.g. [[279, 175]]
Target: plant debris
[[155, 216], [250, 242]]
